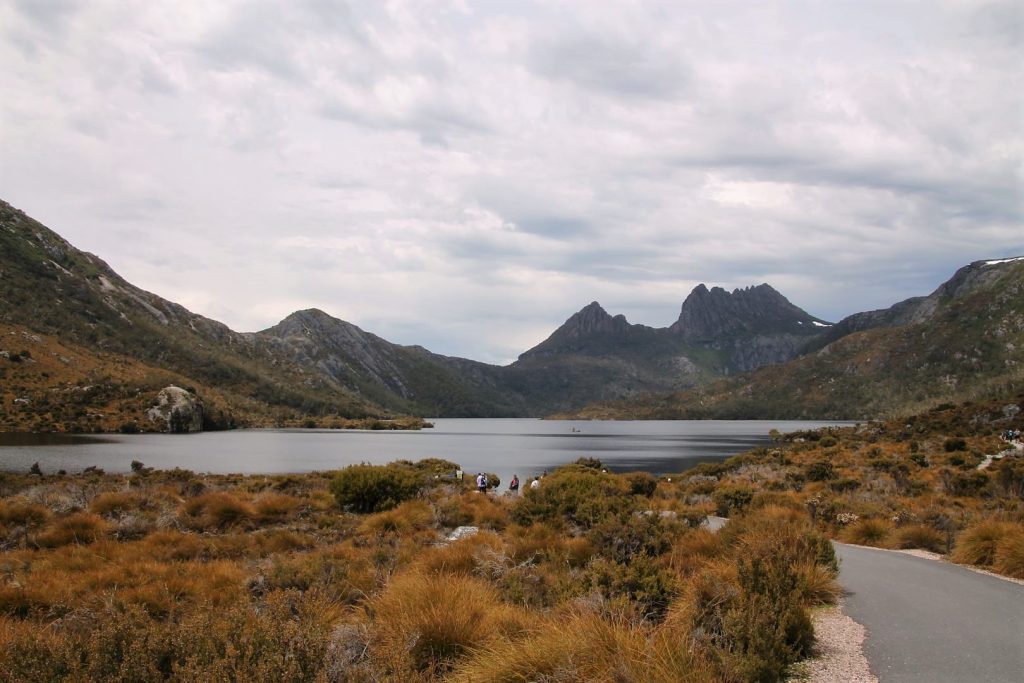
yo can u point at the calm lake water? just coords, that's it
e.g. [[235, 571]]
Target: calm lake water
[[502, 446]]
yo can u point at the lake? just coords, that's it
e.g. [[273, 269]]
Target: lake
[[526, 447]]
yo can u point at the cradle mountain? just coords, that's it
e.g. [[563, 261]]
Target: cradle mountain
[[81, 349]]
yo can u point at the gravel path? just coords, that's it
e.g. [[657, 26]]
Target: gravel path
[[839, 650]]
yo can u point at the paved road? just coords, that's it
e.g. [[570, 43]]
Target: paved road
[[932, 621]]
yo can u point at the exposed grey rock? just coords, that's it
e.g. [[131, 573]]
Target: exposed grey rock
[[715, 314], [177, 411]]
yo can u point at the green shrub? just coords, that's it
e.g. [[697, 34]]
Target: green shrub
[[730, 500], [819, 471], [642, 484], [623, 541], [373, 488], [578, 495], [951, 445], [641, 581]]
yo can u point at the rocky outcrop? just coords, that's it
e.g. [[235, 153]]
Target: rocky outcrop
[[177, 411], [589, 327], [752, 327], [715, 314]]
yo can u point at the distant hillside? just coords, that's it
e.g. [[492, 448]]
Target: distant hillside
[[964, 341], [50, 287], [962, 338], [404, 378]]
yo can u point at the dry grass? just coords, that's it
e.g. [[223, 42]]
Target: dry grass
[[216, 510], [977, 545], [585, 646], [920, 536], [115, 503], [78, 528], [428, 623], [1009, 557], [409, 517], [871, 532], [276, 507]]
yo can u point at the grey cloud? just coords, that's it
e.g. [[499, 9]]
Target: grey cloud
[[610, 66]]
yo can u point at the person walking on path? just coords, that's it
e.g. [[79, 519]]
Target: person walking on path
[[513, 485], [481, 482]]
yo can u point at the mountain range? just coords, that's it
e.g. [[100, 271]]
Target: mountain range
[[312, 366]]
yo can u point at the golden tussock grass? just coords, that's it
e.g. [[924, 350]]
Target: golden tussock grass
[[216, 510], [872, 532], [977, 544], [461, 557], [410, 516], [587, 647], [545, 543], [920, 536], [276, 507], [115, 503], [1009, 557], [692, 549], [79, 528], [430, 622]]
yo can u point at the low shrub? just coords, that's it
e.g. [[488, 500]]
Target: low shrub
[[819, 471], [641, 587], [953, 445], [578, 495], [642, 484], [375, 488], [730, 500]]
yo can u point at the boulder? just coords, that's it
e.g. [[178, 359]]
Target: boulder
[[177, 411]]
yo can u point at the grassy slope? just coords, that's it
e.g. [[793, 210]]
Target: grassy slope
[[49, 286], [47, 385]]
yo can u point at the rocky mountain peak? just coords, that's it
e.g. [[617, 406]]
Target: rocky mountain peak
[[590, 322], [715, 313]]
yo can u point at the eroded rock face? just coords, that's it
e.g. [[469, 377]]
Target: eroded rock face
[[177, 411]]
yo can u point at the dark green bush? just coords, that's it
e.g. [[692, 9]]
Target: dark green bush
[[579, 495], [819, 471], [373, 488], [731, 499], [642, 581], [592, 463], [620, 541], [951, 445], [642, 484]]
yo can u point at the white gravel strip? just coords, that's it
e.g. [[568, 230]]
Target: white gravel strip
[[839, 650]]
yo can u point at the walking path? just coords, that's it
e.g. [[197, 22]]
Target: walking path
[[933, 621]]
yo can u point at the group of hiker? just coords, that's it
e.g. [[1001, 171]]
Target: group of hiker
[[1012, 434], [482, 483]]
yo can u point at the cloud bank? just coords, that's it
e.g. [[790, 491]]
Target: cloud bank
[[464, 176]]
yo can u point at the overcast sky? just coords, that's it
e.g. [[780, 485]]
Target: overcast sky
[[466, 175]]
